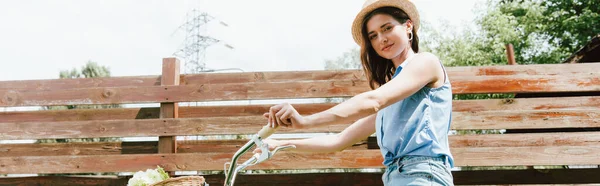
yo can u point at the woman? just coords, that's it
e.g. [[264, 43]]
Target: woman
[[409, 107]]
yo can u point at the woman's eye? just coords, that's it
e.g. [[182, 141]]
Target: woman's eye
[[371, 37], [387, 28]]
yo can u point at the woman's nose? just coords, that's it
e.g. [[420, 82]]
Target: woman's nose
[[383, 39]]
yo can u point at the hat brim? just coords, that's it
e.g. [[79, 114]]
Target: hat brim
[[408, 7]]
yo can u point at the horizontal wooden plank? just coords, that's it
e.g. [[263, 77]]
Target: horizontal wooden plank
[[530, 156], [526, 119], [565, 103], [173, 162], [80, 114], [204, 146], [56, 149], [58, 84], [113, 148], [526, 84], [453, 72], [482, 156], [258, 77], [254, 77], [142, 128], [538, 69], [281, 90], [82, 148], [208, 92], [523, 140], [251, 124], [150, 113], [549, 176], [531, 104]]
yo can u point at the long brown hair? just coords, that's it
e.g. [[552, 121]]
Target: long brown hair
[[378, 69]]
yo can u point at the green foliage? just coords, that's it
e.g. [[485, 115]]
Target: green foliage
[[481, 96], [572, 23], [464, 47], [89, 70], [540, 32], [348, 60], [69, 74]]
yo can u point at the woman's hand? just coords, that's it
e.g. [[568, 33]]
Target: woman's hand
[[285, 115]]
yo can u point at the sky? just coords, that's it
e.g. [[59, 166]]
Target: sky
[[39, 38]]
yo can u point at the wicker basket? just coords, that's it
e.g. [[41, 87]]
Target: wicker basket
[[183, 181]]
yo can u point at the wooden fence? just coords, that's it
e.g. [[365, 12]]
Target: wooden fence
[[550, 131]]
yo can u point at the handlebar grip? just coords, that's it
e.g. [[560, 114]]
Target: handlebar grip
[[265, 132]]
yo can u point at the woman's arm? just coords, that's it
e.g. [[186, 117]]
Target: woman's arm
[[423, 70], [359, 130]]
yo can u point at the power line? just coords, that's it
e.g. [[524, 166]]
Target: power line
[[193, 48]]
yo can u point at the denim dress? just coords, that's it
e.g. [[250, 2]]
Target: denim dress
[[413, 137]]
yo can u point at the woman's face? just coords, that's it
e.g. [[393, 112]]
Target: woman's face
[[387, 36]]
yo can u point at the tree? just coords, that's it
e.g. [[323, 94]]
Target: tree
[[540, 31], [571, 23], [89, 70], [348, 60], [496, 25]]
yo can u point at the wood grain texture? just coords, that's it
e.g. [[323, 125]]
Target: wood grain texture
[[526, 119], [482, 156], [253, 77], [526, 84], [250, 124], [58, 84], [80, 114], [207, 146], [564, 103], [453, 72], [529, 149], [170, 76], [280, 90]]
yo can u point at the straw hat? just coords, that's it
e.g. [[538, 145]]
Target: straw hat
[[370, 5]]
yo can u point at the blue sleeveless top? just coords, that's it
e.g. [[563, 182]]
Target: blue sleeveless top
[[417, 125]]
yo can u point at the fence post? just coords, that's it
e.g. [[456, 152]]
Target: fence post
[[170, 76], [510, 54]]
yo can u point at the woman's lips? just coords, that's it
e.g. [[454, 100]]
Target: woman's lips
[[387, 47]]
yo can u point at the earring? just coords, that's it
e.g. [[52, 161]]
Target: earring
[[411, 36]]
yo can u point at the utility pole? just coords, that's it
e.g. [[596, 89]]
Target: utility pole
[[197, 40]]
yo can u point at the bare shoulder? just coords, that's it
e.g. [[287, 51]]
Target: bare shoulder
[[428, 67], [427, 58]]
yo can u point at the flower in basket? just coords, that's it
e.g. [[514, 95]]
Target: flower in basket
[[149, 177]]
